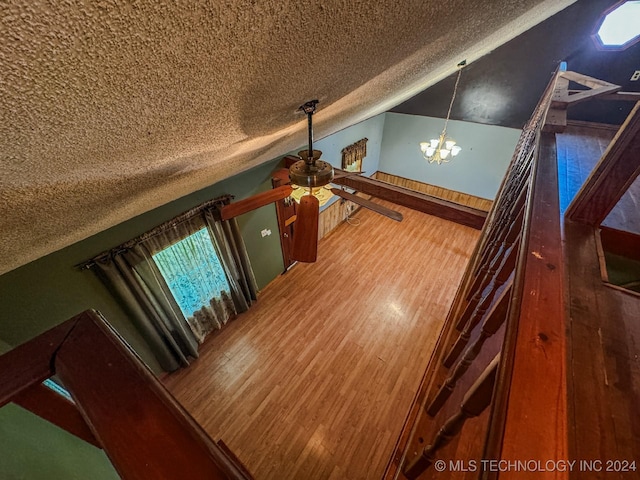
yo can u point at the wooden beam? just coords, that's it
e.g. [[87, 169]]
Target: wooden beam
[[617, 96], [596, 88], [562, 98], [30, 363], [611, 177], [421, 202], [56, 409], [555, 119]]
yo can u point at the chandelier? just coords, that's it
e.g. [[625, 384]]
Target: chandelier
[[442, 149]]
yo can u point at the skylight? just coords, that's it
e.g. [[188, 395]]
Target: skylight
[[621, 26]]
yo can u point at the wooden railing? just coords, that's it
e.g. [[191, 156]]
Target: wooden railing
[[496, 389], [481, 345], [119, 404]]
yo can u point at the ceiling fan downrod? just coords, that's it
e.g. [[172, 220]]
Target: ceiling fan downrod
[[310, 172], [309, 108]]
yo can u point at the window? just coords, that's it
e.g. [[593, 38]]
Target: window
[[193, 272], [619, 27]]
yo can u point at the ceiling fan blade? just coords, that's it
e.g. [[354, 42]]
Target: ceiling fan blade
[[344, 173], [305, 233], [255, 201], [387, 212]]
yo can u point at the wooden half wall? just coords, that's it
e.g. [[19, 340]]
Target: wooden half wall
[[337, 212]]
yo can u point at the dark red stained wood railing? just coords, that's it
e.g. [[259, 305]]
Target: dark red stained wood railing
[[143, 430], [520, 244]]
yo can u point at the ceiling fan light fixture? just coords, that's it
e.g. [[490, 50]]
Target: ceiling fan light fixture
[[316, 173], [323, 194], [310, 171]]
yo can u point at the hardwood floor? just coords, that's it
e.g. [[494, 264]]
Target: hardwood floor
[[315, 381]]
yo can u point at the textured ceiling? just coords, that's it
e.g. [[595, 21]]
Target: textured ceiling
[[112, 108]]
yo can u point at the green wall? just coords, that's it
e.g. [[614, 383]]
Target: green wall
[[33, 449], [50, 290]]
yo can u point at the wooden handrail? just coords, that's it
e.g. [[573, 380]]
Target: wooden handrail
[[481, 300], [144, 431]]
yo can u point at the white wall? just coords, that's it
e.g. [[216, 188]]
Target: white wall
[[477, 170]]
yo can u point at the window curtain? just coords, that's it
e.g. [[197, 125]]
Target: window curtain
[[132, 274]]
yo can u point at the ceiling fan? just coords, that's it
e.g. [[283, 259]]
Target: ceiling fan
[[311, 174]]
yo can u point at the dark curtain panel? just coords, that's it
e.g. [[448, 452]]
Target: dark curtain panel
[[232, 252], [132, 280], [134, 277]]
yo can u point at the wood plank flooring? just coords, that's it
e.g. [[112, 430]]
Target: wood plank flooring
[[315, 381]]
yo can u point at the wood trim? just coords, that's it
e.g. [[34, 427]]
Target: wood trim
[[463, 215], [611, 177], [617, 96], [594, 125], [439, 192]]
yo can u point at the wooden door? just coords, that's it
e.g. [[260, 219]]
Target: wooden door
[[286, 213]]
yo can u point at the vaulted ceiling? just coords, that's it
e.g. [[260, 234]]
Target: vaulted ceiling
[[112, 108], [503, 88]]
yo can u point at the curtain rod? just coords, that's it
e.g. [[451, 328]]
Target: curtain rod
[[123, 247]]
